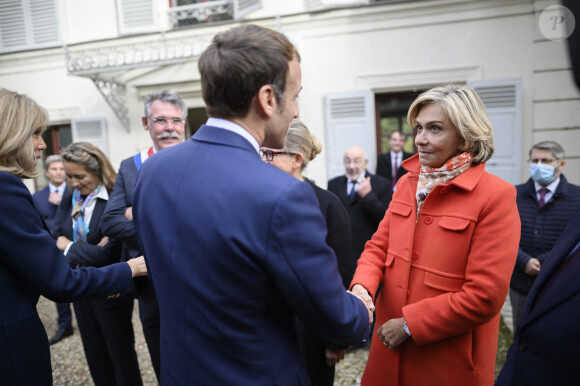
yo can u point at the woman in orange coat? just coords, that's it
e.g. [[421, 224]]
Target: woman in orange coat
[[444, 252]]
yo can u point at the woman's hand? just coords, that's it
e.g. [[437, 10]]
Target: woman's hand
[[62, 242], [138, 267], [392, 333], [104, 241], [360, 292]]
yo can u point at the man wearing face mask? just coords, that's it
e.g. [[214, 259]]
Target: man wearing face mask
[[546, 202]]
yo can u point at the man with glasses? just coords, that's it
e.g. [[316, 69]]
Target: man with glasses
[[165, 118], [365, 196], [546, 202]]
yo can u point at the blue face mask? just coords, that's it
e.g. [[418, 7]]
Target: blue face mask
[[541, 173]]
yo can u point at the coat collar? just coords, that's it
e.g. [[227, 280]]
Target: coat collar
[[216, 135], [466, 181], [561, 191]]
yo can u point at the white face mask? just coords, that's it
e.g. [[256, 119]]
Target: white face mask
[[542, 174]]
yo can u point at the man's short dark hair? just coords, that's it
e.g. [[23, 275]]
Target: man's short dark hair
[[238, 63]]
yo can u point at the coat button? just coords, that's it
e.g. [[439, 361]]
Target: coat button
[[428, 220], [415, 255], [523, 347], [443, 190]]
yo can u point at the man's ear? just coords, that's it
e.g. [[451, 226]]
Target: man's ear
[[266, 100], [561, 166], [144, 121]]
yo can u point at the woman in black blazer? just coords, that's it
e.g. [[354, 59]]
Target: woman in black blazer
[[301, 147], [105, 324], [30, 264]]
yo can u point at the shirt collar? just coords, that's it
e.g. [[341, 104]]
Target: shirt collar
[[552, 187], [103, 194], [60, 189], [231, 126]]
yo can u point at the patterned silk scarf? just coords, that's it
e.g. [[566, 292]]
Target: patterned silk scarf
[[429, 177], [80, 227]]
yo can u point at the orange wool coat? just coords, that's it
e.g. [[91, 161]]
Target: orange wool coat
[[448, 274]]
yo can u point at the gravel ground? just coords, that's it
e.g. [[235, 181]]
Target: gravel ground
[[69, 366]]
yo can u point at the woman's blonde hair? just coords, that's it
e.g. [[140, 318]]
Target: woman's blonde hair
[[300, 140], [93, 159], [467, 114], [20, 118]]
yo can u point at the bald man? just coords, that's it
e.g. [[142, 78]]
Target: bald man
[[365, 196]]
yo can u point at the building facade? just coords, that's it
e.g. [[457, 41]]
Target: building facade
[[91, 63]]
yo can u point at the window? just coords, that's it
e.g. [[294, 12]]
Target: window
[[28, 24], [56, 138], [185, 13], [391, 115]]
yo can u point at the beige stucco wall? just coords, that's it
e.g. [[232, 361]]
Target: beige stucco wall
[[378, 48]]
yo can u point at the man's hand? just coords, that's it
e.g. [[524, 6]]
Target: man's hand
[[129, 213], [392, 333], [54, 198], [532, 267], [62, 242], [364, 187], [333, 356], [360, 292]]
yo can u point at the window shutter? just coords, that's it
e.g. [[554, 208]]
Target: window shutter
[[503, 102], [91, 130], [136, 16], [44, 17], [348, 123], [244, 7], [12, 25], [28, 24]]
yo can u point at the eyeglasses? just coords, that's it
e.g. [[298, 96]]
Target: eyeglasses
[[545, 161], [269, 155], [356, 161], [162, 121]]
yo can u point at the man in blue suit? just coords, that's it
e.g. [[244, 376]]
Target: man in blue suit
[[47, 201], [546, 347], [165, 116], [236, 247]]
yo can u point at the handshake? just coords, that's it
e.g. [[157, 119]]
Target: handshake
[[360, 292]]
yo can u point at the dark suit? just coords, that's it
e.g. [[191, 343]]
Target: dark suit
[[116, 225], [31, 265], [385, 166], [48, 211], [541, 228], [236, 247], [105, 324], [546, 347], [339, 239], [365, 213]]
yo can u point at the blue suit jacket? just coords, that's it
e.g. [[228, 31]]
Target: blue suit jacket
[[236, 248], [47, 210], [546, 347], [31, 265], [114, 221]]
